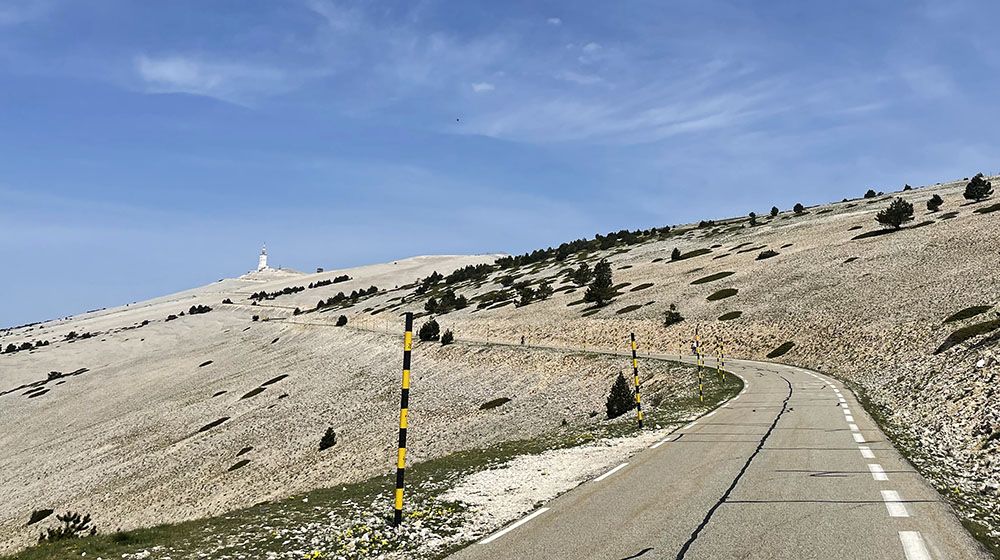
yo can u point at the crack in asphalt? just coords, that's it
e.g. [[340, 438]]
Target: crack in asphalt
[[708, 516]]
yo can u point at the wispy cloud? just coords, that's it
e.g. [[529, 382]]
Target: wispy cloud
[[481, 87], [227, 81], [554, 21]]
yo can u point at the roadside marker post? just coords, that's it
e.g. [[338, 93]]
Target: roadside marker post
[[635, 373], [701, 365], [404, 406]]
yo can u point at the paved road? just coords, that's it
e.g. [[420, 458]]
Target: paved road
[[792, 468]]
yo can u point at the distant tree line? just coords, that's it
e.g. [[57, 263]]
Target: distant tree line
[[344, 299], [257, 296], [327, 282], [11, 348], [448, 302]]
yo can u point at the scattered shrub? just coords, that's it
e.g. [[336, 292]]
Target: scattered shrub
[[255, 318], [601, 289], [978, 188], [198, 309], [871, 193], [544, 290], [227, 300], [429, 331], [753, 218], [675, 255], [582, 275], [328, 440], [935, 203], [898, 213], [342, 320], [798, 208], [171, 317], [74, 526], [767, 254], [621, 399], [447, 338], [907, 187], [672, 316], [774, 211], [297, 311]]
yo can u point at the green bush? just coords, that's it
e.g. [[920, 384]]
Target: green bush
[[328, 440], [675, 255], [898, 213], [341, 321], [582, 275], [935, 203], [601, 289], [774, 211], [621, 399], [429, 331], [871, 193], [672, 316], [74, 526], [447, 338], [798, 208], [544, 290], [978, 188]]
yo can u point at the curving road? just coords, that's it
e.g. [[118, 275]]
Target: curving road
[[793, 468]]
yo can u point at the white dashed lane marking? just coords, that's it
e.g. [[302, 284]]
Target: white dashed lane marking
[[611, 472], [913, 545], [878, 473], [854, 427], [497, 535], [866, 452], [858, 438], [894, 504]]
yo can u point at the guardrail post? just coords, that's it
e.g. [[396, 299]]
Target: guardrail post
[[635, 373], [404, 406]]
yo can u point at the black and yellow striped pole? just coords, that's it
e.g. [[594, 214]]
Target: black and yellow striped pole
[[722, 363], [635, 373], [701, 364], [404, 405]]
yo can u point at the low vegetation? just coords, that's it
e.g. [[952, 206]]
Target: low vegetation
[[601, 289], [672, 316], [429, 331], [621, 399], [447, 338], [978, 189], [935, 202], [73, 525], [898, 213]]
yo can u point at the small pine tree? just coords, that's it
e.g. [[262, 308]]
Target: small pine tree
[[934, 204], [582, 275], [753, 218], [526, 294], [544, 290], [431, 306], [978, 188], [447, 338], [675, 255], [898, 213], [328, 440], [74, 526], [870, 193], [621, 399], [798, 208], [429, 331], [774, 211], [342, 321], [672, 316], [907, 187], [601, 289]]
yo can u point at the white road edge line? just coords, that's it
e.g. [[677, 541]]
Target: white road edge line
[[858, 438], [866, 452], [611, 472], [499, 534], [913, 545], [691, 425], [894, 504], [878, 473]]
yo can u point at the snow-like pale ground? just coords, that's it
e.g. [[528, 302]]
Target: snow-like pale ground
[[121, 441]]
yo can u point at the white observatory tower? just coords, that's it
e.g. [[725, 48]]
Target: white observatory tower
[[262, 260]]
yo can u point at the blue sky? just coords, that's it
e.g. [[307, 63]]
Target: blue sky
[[148, 147]]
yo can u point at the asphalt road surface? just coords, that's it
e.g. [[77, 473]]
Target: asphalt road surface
[[792, 468]]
